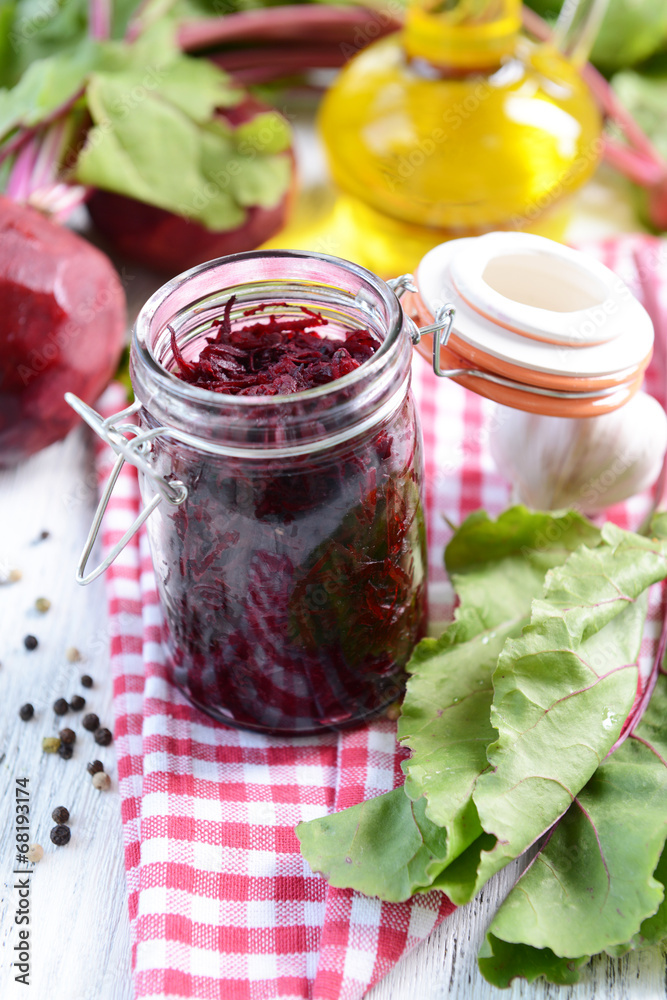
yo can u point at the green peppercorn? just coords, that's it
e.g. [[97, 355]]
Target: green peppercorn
[[42, 604], [60, 706], [50, 744], [26, 711], [103, 736], [60, 814], [91, 722], [60, 835]]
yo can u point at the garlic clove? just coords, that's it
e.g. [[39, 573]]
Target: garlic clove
[[587, 463]]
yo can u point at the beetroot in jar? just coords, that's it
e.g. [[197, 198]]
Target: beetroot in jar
[[275, 386]]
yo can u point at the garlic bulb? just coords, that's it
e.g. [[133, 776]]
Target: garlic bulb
[[588, 463]]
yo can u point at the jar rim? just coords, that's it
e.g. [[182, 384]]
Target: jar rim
[[142, 346]]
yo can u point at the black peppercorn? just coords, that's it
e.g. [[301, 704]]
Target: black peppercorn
[[94, 767], [90, 722], [60, 706], [67, 736], [60, 814], [60, 835], [87, 680], [103, 737], [65, 750], [30, 642], [26, 711], [76, 702]]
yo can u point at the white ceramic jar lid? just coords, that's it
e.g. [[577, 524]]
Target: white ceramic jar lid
[[536, 305]]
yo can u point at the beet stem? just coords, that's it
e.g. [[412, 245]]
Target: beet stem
[[280, 24], [638, 710], [99, 20]]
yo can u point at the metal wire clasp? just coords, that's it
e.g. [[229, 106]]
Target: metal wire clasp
[[440, 328], [114, 430]]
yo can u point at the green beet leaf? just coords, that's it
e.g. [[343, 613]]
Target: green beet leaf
[[653, 930], [563, 691], [265, 133], [34, 30], [597, 884], [114, 157], [261, 180], [383, 847], [156, 139], [45, 86], [501, 961], [497, 568]]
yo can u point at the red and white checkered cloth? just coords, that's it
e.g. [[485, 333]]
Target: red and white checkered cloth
[[221, 903]]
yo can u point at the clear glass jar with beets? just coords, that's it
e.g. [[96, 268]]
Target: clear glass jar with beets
[[293, 577]]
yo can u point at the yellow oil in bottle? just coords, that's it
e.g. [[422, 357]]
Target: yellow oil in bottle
[[456, 126]]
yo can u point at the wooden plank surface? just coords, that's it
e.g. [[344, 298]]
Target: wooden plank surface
[[79, 927]]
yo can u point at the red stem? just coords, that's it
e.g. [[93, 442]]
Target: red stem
[[337, 25], [638, 710], [645, 157], [34, 176], [645, 265], [269, 63], [99, 20], [633, 165]]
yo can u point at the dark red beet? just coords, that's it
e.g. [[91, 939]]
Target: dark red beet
[[270, 357], [167, 242], [62, 328]]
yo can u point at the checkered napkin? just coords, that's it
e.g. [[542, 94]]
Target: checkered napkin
[[221, 903]]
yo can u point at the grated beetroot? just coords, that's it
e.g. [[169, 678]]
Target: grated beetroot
[[293, 587], [272, 357]]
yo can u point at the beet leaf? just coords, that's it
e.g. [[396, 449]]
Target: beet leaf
[[594, 885], [564, 689], [497, 568]]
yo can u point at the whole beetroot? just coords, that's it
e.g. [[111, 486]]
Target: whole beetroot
[[172, 243], [62, 328]]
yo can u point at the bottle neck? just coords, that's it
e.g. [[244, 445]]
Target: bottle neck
[[462, 34]]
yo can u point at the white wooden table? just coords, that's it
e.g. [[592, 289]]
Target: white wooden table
[[79, 930]]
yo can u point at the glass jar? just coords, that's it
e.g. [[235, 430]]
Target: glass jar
[[293, 575]]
